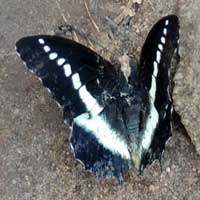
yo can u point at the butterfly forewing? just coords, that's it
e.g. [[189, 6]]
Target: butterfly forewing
[[154, 73], [64, 67]]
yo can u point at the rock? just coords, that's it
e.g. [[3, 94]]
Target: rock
[[186, 93], [152, 188]]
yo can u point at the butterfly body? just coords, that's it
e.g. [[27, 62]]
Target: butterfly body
[[115, 123]]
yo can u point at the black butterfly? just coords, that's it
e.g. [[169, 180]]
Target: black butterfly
[[115, 123]]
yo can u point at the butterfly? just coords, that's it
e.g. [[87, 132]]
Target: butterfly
[[116, 123]]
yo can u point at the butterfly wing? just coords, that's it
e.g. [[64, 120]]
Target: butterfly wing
[[82, 82], [154, 74], [65, 66]]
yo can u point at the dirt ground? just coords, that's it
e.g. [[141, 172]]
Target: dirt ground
[[36, 162]]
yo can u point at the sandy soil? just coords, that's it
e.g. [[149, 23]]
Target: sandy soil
[[35, 159]]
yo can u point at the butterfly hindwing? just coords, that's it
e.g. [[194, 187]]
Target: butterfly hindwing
[[97, 159]]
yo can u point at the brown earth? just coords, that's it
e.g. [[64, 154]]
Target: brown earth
[[35, 159]]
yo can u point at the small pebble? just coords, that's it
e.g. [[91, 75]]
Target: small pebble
[[168, 170], [152, 188]]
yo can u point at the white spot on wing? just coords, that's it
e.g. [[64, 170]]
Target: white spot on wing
[[67, 70], [167, 22], [160, 46], [39, 79], [49, 91], [105, 135], [29, 69], [46, 48], [165, 31], [66, 122], [76, 81], [41, 41], [60, 61], [53, 56], [158, 56], [155, 71], [91, 104], [163, 40], [58, 104], [98, 82], [172, 109]]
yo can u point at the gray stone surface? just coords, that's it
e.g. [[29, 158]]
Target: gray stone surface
[[35, 159], [187, 79]]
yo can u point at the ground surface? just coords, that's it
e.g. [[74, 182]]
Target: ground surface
[[35, 159]]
